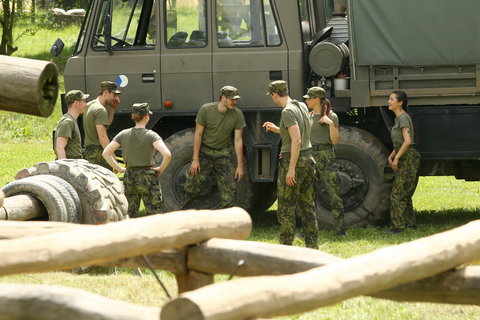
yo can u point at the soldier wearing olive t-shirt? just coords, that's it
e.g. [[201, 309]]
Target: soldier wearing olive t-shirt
[[139, 144], [67, 143], [215, 123]]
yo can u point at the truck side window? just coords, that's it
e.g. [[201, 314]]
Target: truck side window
[[186, 22], [132, 25], [242, 23]]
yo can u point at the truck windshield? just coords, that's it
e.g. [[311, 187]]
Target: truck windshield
[[131, 24]]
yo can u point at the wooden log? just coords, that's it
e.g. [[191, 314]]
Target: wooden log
[[270, 296], [17, 229], [40, 302], [21, 208], [95, 245], [220, 256], [28, 86], [193, 280]]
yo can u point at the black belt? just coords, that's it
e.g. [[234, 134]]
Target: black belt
[[306, 153], [321, 147]]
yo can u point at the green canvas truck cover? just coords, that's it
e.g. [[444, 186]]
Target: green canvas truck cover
[[415, 32]]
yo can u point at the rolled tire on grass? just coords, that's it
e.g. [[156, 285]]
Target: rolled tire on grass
[[100, 191], [70, 196], [51, 198]]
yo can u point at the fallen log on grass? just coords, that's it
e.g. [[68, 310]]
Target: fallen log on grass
[[270, 296], [28, 86], [21, 208], [96, 245], [40, 302], [221, 256]]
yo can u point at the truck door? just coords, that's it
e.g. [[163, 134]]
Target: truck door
[[123, 48], [186, 54], [249, 52]]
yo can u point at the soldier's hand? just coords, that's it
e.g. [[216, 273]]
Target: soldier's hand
[[115, 102], [395, 165], [325, 120], [122, 170], [195, 167], [158, 170], [239, 173], [291, 180]]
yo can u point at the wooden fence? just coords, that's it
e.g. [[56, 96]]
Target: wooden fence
[[195, 245]]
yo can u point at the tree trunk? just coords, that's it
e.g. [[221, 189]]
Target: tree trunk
[[270, 296], [28, 86], [7, 22]]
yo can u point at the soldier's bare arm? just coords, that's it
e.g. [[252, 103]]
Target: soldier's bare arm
[[166, 156], [294, 132], [102, 135], [60, 144], [197, 142], [238, 142], [108, 155]]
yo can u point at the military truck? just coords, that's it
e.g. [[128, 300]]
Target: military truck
[[177, 54]]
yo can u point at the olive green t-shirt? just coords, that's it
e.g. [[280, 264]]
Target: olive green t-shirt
[[137, 146], [295, 113], [402, 121], [95, 114], [320, 133], [218, 126], [67, 127]]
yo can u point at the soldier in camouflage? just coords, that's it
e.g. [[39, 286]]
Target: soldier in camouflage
[[139, 144], [405, 162], [296, 174], [323, 136], [96, 121], [67, 142], [215, 123]]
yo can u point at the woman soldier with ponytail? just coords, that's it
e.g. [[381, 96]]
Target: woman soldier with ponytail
[[404, 161], [324, 134]]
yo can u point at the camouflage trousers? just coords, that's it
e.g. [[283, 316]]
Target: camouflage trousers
[[404, 184], [93, 154], [300, 195], [328, 178], [216, 164], [142, 183]]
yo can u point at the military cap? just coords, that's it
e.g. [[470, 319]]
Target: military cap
[[315, 92], [110, 86], [74, 95], [229, 92], [141, 108], [278, 86]]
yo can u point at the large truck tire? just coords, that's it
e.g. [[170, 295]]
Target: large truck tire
[[51, 198], [100, 191], [361, 159], [250, 196]]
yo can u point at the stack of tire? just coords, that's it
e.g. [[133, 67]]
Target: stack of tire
[[73, 191]]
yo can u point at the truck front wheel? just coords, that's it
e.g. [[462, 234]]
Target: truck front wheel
[[361, 159], [181, 146]]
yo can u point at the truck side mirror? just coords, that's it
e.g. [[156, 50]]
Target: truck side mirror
[[57, 47]]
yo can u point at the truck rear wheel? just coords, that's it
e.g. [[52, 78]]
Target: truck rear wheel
[[361, 159], [181, 146]]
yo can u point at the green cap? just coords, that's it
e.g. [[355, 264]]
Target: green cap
[[278, 86], [229, 92], [110, 86], [315, 92], [141, 108], [74, 95]]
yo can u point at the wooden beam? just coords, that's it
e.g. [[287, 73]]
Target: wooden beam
[[28, 86], [193, 280], [221, 256], [21, 208], [96, 245], [270, 296], [40, 302]]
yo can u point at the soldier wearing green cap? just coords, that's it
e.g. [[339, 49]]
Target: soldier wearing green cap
[[98, 116], [215, 123], [139, 144], [323, 136], [296, 173], [67, 142]]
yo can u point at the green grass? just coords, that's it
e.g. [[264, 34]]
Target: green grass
[[441, 203]]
